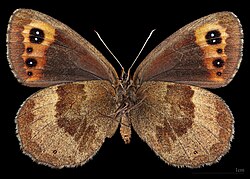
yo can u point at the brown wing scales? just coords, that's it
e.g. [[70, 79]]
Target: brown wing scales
[[184, 125], [65, 125]]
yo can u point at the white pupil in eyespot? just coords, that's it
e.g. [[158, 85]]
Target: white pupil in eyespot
[[212, 35], [37, 33]]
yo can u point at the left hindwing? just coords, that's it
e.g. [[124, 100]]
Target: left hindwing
[[65, 125]]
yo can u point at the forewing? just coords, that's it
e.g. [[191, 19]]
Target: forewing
[[205, 53], [65, 125], [43, 51], [184, 125]]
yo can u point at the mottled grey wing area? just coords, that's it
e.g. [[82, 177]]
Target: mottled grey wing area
[[184, 125], [65, 125]]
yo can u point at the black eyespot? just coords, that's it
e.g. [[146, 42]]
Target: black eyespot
[[36, 36], [29, 73], [218, 73], [213, 37], [29, 50], [218, 63], [31, 62], [195, 152], [219, 50], [213, 34]]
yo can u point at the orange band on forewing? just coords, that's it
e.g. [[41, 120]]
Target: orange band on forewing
[[38, 50], [210, 50]]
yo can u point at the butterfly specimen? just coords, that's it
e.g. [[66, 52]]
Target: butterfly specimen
[[85, 101]]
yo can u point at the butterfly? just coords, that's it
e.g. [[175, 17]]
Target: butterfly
[[84, 100]]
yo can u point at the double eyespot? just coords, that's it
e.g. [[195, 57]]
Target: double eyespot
[[36, 36], [213, 37]]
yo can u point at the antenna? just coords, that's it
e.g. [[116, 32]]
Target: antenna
[[118, 60], [141, 50], [109, 50]]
